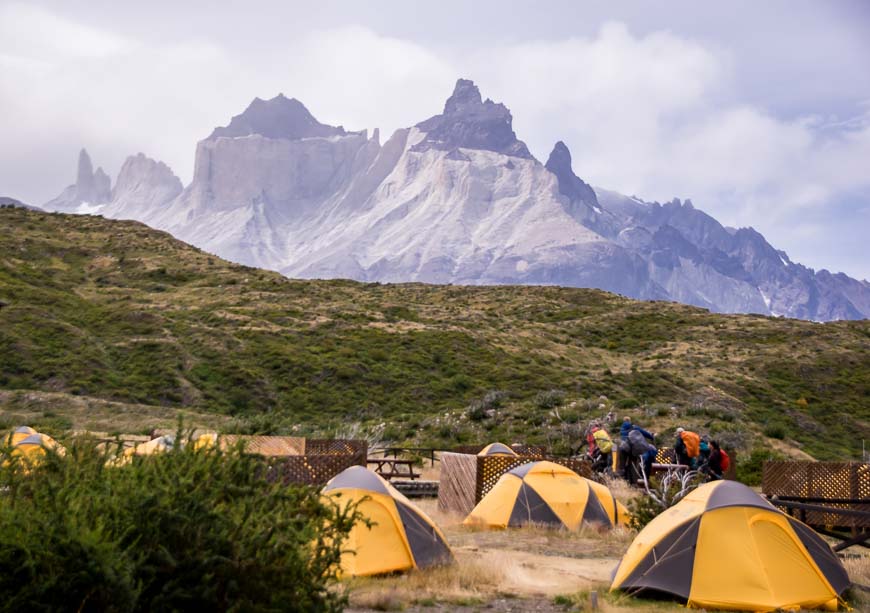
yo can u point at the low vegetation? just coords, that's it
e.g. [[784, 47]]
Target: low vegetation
[[103, 311], [182, 530]]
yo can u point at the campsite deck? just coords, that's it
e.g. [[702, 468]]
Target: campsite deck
[[832, 497]]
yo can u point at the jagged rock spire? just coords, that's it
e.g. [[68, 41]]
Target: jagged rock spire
[[570, 185], [470, 122]]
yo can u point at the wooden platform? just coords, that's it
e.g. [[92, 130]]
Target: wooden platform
[[832, 497]]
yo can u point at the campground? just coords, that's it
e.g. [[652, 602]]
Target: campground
[[528, 569]]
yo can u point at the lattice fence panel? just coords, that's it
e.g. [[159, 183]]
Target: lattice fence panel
[[491, 468], [456, 486], [666, 455], [269, 446], [329, 446], [839, 485], [311, 469], [824, 480]]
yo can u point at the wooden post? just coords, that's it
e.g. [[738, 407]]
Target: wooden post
[[593, 600]]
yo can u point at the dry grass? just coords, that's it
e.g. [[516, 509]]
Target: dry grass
[[859, 572], [70, 412], [460, 583]]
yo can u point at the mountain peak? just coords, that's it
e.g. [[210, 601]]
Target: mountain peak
[[470, 122], [570, 185], [85, 170], [279, 117], [464, 93]]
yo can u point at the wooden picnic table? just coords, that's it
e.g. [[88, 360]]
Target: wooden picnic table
[[389, 468]]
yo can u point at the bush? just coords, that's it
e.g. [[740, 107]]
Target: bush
[[643, 509], [749, 468], [776, 431], [549, 399], [183, 530]]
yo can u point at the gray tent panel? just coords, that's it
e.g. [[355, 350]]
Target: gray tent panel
[[594, 513], [669, 564], [531, 508], [823, 556], [427, 547], [734, 494], [521, 470], [357, 477]]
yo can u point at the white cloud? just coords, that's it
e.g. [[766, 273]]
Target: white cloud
[[656, 115]]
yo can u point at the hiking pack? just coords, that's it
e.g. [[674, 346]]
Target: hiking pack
[[692, 442]]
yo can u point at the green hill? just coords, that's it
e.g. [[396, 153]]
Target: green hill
[[125, 319]]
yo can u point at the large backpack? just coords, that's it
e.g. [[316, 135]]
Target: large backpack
[[692, 442], [638, 442], [725, 461], [602, 439]]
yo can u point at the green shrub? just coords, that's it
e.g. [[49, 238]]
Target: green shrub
[[182, 530], [749, 468], [549, 399], [776, 431]]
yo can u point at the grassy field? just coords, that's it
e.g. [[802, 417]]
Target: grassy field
[[111, 325]]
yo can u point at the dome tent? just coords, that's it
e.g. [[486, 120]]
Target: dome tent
[[401, 536], [497, 449], [27, 443], [724, 547], [546, 493]]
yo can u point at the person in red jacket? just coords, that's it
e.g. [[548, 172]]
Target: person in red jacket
[[713, 468]]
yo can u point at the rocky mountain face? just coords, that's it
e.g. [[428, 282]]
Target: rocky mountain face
[[456, 198], [91, 189]]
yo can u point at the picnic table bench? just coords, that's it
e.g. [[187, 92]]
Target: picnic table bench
[[389, 468]]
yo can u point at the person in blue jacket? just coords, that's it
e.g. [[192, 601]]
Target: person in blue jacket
[[641, 443], [625, 429]]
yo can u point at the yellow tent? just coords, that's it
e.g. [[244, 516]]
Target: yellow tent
[[20, 433], [155, 445], [401, 536], [550, 494], [30, 444], [724, 547], [497, 449]]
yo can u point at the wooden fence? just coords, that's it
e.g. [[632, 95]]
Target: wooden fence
[[301, 460], [841, 486], [466, 478]]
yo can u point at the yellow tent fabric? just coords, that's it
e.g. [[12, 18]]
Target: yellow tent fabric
[[20, 433], [401, 536], [549, 494], [497, 449], [30, 446], [725, 547]]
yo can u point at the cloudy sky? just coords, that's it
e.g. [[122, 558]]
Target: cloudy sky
[[758, 112]]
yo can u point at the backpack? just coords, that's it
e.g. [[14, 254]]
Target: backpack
[[725, 462], [692, 442], [602, 439], [639, 444]]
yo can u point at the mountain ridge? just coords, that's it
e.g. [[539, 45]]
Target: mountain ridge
[[458, 198], [114, 311]]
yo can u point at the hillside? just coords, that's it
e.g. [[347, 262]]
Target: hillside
[[100, 310]]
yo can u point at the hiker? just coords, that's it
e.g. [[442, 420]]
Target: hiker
[[703, 450], [713, 467], [687, 447], [639, 445], [625, 428], [600, 447]]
